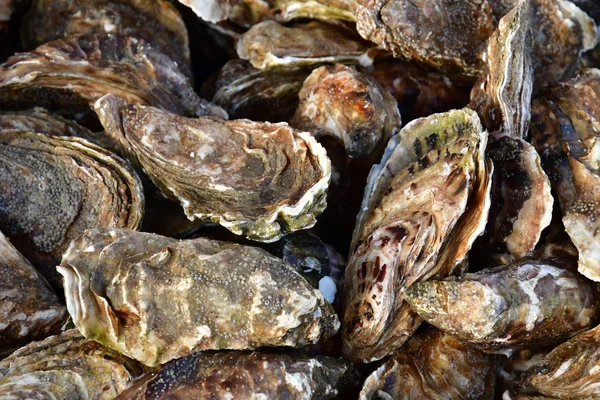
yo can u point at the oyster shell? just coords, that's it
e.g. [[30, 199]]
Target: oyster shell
[[239, 375], [570, 371], [591, 7], [515, 306], [270, 44], [564, 130], [155, 21], [256, 179], [54, 188], [66, 366], [424, 205], [433, 365], [69, 75], [350, 106], [260, 95], [28, 307], [155, 298]]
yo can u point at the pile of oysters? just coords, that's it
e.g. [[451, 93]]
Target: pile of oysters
[[299, 199]]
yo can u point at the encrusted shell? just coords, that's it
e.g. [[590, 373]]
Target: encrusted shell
[[28, 307], [350, 106], [54, 188], [433, 365], [240, 375], [519, 305], [156, 21], [423, 207], [155, 298], [256, 179], [66, 366]]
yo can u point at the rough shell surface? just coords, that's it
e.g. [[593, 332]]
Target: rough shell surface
[[155, 298], [54, 188], [520, 305], [256, 179]]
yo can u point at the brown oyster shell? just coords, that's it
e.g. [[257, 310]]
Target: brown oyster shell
[[260, 95], [239, 375], [515, 306], [54, 188], [69, 75], [66, 366], [28, 308], [564, 130], [155, 298], [350, 106], [256, 179], [155, 21], [424, 205], [433, 365], [270, 44]]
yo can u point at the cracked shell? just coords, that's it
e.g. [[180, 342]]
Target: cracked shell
[[66, 366], [521, 305], [433, 365], [28, 308], [564, 130], [240, 375], [154, 298], [270, 44], [256, 179], [54, 188], [156, 21], [350, 106], [423, 207]]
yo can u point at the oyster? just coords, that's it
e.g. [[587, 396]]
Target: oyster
[[69, 75], [424, 205], [54, 188], [519, 305], [155, 21], [270, 44], [28, 308], [433, 365], [260, 95], [154, 298], [564, 130], [570, 371], [591, 7], [239, 375], [418, 91], [66, 366], [351, 107], [256, 179]]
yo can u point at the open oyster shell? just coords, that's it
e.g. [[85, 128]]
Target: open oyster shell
[[433, 365], [239, 375], [155, 21], [519, 305], [69, 75], [66, 366], [352, 107], [256, 179], [564, 129], [423, 207], [54, 188], [28, 307], [270, 44], [155, 298]]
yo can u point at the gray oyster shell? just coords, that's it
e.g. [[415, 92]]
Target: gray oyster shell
[[155, 21], [256, 179], [519, 305], [240, 375], [28, 308], [54, 188], [423, 207], [68, 367], [154, 298]]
